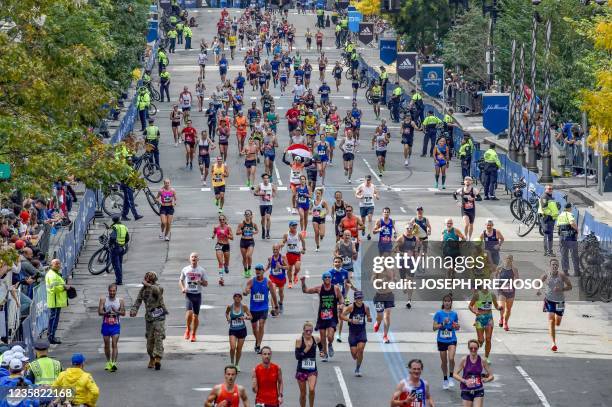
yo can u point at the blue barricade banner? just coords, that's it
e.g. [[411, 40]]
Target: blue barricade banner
[[388, 50], [354, 18], [495, 112], [40, 312], [432, 80]]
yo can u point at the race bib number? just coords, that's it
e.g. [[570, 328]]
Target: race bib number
[[276, 271], [302, 199], [358, 319], [292, 247], [327, 314], [380, 306], [446, 334], [237, 323], [473, 381], [468, 205], [192, 285], [486, 306], [258, 297], [309, 364], [111, 319], [316, 213], [267, 197], [560, 306], [346, 260], [367, 201]]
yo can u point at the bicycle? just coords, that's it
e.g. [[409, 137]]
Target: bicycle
[[100, 261], [155, 95], [112, 204], [151, 171], [152, 109]]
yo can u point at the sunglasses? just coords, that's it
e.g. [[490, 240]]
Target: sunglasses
[[327, 278], [474, 348]]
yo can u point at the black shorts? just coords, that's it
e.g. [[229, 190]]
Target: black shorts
[[375, 99], [470, 213], [219, 189], [408, 140], [325, 323], [204, 160], [348, 156], [443, 346], [470, 395], [176, 124], [193, 302], [166, 210], [186, 108], [190, 143], [354, 339], [246, 243], [240, 333], [317, 219], [250, 163], [381, 153], [311, 176], [265, 210], [257, 315], [222, 247]]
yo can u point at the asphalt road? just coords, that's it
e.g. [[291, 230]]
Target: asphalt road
[[526, 372]]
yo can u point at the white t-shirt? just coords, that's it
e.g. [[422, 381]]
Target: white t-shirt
[[202, 59], [185, 99], [299, 90], [191, 278], [367, 196]]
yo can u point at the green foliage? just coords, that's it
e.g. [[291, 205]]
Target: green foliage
[[464, 45], [422, 23], [61, 62]]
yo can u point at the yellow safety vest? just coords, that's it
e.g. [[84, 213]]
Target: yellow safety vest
[[171, 34], [56, 293], [397, 91], [188, 33], [152, 133], [45, 370], [122, 232], [490, 156], [550, 209]]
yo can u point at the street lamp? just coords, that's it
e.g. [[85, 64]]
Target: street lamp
[[490, 7]]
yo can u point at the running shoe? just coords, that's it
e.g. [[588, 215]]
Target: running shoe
[[216, 202], [280, 307], [357, 372], [187, 334], [290, 284], [193, 338], [268, 235], [409, 305], [257, 349], [167, 238], [317, 249], [489, 360], [451, 382], [506, 327], [435, 185], [376, 326], [226, 269], [501, 320], [113, 367], [369, 237], [445, 384], [238, 369], [221, 282], [443, 186], [161, 236], [386, 339], [324, 358], [293, 211], [303, 233], [295, 278], [108, 366], [554, 348], [330, 350], [245, 274], [338, 338]]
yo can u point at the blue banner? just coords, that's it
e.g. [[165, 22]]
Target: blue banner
[[432, 80], [354, 18], [495, 112], [388, 50]]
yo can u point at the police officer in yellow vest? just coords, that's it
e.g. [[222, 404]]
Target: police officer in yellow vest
[[57, 298], [152, 135], [164, 85], [143, 102], [320, 18], [568, 240], [492, 164], [384, 79], [44, 370], [171, 34], [162, 59], [417, 101], [188, 35], [396, 100], [548, 210], [338, 31], [465, 154], [344, 31], [119, 238], [180, 26]]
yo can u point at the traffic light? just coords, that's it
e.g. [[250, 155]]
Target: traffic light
[[390, 6]]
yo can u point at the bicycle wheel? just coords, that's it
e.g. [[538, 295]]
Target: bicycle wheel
[[113, 203], [155, 95], [348, 75], [516, 208], [152, 172], [528, 222], [153, 203], [152, 109], [368, 96], [99, 262], [605, 290], [540, 228], [592, 283], [364, 83], [482, 177]]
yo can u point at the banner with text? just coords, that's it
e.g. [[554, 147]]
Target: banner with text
[[354, 18], [388, 50], [432, 79], [366, 32], [406, 65], [495, 112]]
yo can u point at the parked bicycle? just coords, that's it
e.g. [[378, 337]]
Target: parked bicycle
[[595, 269], [100, 261], [112, 204], [151, 171]]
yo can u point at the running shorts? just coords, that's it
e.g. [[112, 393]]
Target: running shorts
[[293, 258], [193, 302], [166, 210]]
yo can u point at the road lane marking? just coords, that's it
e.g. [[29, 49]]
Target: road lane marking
[[202, 388], [342, 383], [373, 172], [534, 386], [278, 177], [402, 209]]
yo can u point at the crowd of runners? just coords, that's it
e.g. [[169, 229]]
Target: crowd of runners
[[316, 129]]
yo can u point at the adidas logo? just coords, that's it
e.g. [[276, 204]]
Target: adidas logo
[[366, 30], [406, 64]]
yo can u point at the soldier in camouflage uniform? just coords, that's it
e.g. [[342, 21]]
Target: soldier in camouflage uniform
[[155, 315]]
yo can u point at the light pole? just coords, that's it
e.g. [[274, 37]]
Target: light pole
[[546, 177], [490, 7], [522, 126], [512, 142], [532, 164]]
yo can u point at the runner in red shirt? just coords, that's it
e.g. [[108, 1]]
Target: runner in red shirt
[[227, 393], [268, 381], [292, 116], [319, 39], [189, 135]]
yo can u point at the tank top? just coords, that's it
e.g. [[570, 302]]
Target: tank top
[[318, 211], [419, 391], [259, 295], [346, 251], [350, 224], [368, 196], [340, 211], [484, 301], [294, 245], [506, 274], [218, 177], [472, 373], [294, 175], [266, 198], [232, 397], [386, 232], [277, 268], [358, 315], [268, 144], [322, 149], [408, 244], [111, 311], [422, 228], [302, 195], [222, 233], [490, 241], [349, 146], [166, 196], [467, 204], [236, 319], [308, 363], [267, 384], [223, 135], [551, 283], [203, 146], [328, 304], [381, 143], [247, 230], [450, 235]]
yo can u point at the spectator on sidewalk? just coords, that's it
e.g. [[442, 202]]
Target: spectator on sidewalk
[[57, 297]]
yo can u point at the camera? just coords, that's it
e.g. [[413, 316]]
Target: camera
[[536, 2]]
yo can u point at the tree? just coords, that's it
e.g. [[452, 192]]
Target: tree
[[422, 23], [463, 45], [368, 7]]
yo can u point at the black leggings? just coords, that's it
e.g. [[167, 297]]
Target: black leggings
[[212, 129]]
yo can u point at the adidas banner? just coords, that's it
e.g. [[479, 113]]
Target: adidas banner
[[366, 32], [406, 65]]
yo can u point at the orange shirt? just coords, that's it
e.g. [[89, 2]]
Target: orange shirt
[[254, 67], [267, 384], [232, 397], [241, 124], [351, 225]]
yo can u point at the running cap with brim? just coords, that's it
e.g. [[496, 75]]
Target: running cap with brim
[[325, 275], [358, 295], [292, 223]]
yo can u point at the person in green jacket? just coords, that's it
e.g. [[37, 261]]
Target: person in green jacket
[[465, 154], [180, 30], [549, 211], [171, 35], [188, 34], [57, 297]]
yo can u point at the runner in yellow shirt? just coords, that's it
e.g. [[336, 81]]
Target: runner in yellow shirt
[[233, 40], [219, 174]]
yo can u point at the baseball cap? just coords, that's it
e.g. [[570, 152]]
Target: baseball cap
[[15, 365], [293, 223], [259, 266], [358, 295], [568, 205], [17, 348], [6, 358], [19, 244], [419, 208], [325, 275], [41, 345], [237, 293], [20, 356], [78, 359]]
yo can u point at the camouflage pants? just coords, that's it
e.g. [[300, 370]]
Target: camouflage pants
[[155, 334]]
